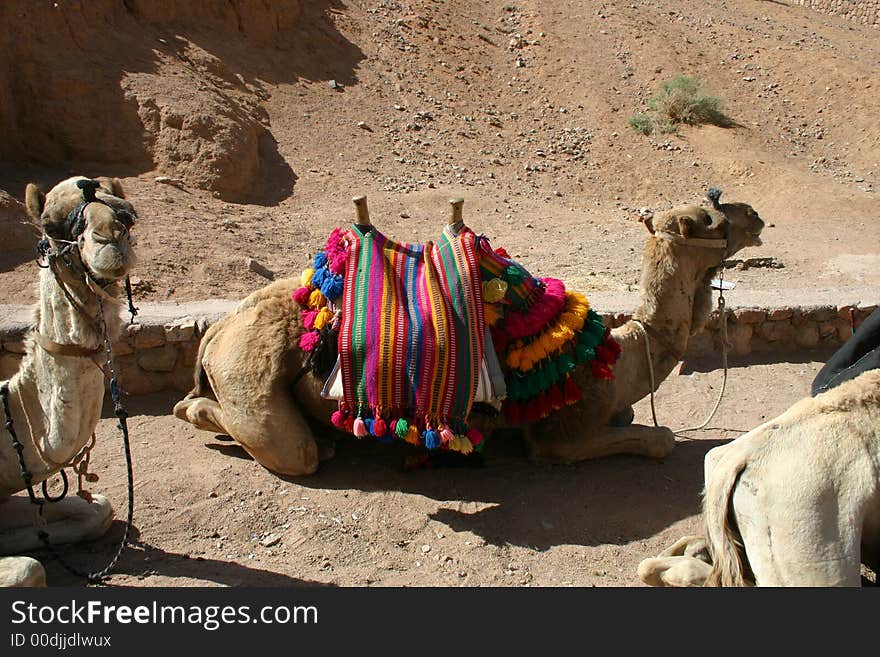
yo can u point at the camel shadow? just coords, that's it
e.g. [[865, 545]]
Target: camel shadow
[[710, 362], [510, 501], [142, 560]]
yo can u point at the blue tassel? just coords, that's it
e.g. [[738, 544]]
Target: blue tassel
[[331, 286], [318, 277], [320, 260], [432, 439], [368, 422]]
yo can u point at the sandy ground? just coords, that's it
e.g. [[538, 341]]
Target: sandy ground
[[206, 514]]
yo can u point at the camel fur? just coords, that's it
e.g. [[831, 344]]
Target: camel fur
[[794, 502], [55, 399], [248, 362]]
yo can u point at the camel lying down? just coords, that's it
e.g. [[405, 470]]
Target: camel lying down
[[794, 502], [248, 381]]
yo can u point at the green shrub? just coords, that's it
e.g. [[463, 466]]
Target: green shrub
[[681, 100]]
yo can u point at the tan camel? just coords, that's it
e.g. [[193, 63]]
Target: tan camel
[[55, 397], [794, 502], [246, 386]]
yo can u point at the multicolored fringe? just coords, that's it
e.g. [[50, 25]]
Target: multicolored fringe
[[411, 340], [321, 285], [543, 333]]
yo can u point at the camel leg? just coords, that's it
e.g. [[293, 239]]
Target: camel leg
[[275, 433], [685, 563], [71, 520], [205, 414], [655, 442], [21, 571], [785, 550]]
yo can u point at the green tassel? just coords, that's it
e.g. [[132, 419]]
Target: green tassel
[[514, 275], [565, 364], [401, 428], [584, 353]]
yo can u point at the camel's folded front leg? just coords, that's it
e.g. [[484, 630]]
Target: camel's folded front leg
[[655, 442], [685, 563]]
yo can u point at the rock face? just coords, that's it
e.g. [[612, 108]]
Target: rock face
[[125, 84]]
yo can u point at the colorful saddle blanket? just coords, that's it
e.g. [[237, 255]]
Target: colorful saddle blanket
[[409, 322]]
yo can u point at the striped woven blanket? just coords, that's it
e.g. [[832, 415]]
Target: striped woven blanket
[[413, 322], [411, 336]]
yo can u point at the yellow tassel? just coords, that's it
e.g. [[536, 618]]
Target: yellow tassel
[[306, 277], [492, 313], [412, 436], [316, 299], [464, 445], [324, 315]]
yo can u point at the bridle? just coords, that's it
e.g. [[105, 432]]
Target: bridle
[[69, 255]]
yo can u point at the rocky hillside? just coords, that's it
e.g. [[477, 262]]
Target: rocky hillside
[[272, 114]]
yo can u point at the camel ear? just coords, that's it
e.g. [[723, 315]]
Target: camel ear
[[112, 186], [648, 223], [690, 223], [34, 201]]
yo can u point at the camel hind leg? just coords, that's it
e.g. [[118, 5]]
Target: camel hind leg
[[247, 363]]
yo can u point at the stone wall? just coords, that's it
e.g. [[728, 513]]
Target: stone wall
[[158, 351], [866, 12]]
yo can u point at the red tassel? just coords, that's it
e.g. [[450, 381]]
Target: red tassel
[[572, 393], [379, 428], [513, 412], [601, 369], [557, 400], [614, 346], [604, 354], [543, 406]]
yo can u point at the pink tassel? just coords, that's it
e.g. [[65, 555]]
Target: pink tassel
[[308, 318], [301, 295], [338, 419], [360, 429], [475, 437], [446, 436], [309, 340]]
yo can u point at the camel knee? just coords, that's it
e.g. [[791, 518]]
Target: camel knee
[[201, 412], [680, 571], [21, 571], [295, 460]]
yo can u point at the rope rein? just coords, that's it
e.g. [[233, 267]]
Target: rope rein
[[723, 313]]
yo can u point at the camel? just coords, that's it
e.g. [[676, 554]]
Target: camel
[[55, 398], [794, 502], [248, 381]]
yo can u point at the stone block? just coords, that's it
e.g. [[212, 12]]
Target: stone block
[[158, 359], [148, 337], [776, 331], [748, 316], [779, 314], [740, 338], [823, 313], [827, 329], [180, 331], [807, 336]]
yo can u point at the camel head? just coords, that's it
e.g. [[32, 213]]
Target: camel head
[[92, 215], [697, 240]]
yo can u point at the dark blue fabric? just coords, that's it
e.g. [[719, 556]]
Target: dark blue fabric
[[859, 354]]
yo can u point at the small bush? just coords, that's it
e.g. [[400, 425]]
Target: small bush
[[641, 122], [681, 100]]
